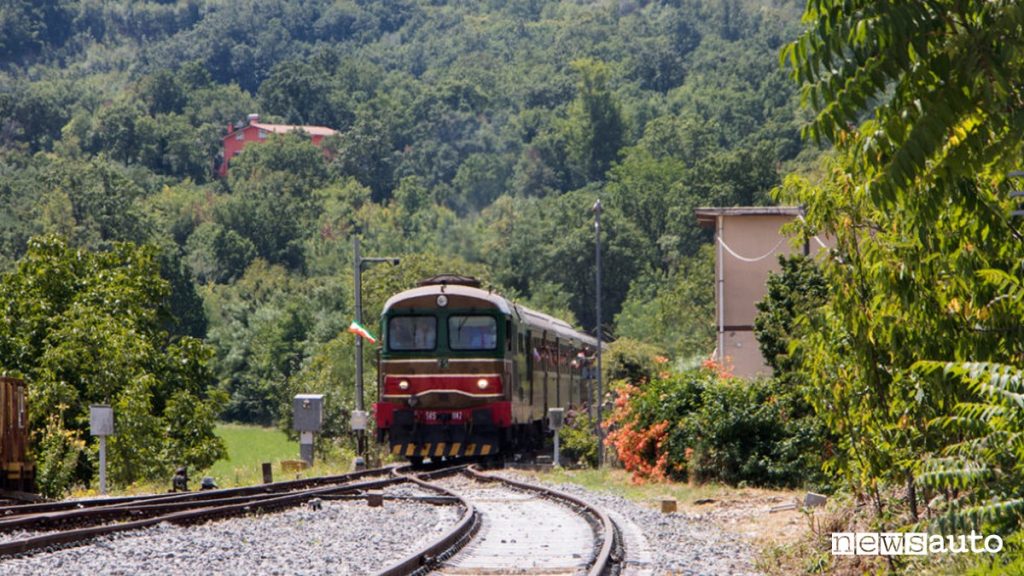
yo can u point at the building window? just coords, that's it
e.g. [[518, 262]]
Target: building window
[[263, 134], [239, 135]]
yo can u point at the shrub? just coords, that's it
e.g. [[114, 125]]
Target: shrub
[[578, 440], [648, 425], [631, 360], [57, 457], [704, 426], [759, 432]]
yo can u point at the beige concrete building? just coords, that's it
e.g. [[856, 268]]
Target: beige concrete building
[[748, 243]]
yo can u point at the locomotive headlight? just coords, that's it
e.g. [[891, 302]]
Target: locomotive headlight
[[482, 383], [404, 384]]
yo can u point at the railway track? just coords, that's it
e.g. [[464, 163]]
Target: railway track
[[503, 526], [48, 525], [512, 527]]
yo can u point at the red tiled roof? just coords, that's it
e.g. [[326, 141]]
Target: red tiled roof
[[285, 128]]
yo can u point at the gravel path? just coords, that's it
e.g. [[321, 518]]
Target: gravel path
[[343, 537], [678, 544]]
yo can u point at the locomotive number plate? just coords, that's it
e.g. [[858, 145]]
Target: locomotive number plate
[[432, 416]]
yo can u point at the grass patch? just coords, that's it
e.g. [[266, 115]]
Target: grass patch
[[617, 481], [248, 447]]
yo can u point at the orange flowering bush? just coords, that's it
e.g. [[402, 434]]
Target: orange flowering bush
[[722, 369], [647, 427], [640, 449], [704, 424]]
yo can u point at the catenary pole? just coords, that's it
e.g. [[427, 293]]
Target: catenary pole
[[357, 271], [600, 392]]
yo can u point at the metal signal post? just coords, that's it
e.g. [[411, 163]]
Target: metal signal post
[[359, 416], [600, 393]]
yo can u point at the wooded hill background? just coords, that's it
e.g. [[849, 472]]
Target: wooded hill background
[[474, 137]]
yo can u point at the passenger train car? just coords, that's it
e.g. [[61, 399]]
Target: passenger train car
[[464, 372]]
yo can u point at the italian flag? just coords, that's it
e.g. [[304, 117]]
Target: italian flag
[[362, 332]]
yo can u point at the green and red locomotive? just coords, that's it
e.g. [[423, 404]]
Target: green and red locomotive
[[464, 372]]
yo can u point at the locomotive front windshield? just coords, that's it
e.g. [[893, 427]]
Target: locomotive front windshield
[[412, 333], [472, 333]]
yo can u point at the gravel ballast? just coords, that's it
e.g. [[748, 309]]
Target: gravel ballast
[[343, 537], [678, 544], [349, 537]]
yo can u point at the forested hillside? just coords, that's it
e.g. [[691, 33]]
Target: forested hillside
[[473, 137]]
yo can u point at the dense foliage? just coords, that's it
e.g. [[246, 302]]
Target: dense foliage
[[919, 101], [703, 425], [792, 294], [472, 137], [84, 329]]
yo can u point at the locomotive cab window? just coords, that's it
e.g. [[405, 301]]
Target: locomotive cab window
[[412, 333], [472, 333]]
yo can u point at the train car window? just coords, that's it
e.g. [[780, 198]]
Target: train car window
[[412, 333], [472, 333], [509, 339]]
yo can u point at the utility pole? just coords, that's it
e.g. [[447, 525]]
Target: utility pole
[[600, 392], [359, 416]]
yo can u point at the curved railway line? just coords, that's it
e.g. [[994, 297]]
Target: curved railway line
[[511, 527], [505, 527]]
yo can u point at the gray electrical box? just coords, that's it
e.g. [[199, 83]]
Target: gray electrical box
[[308, 412], [556, 416], [101, 420]]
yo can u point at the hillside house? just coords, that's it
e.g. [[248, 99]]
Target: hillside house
[[241, 135]]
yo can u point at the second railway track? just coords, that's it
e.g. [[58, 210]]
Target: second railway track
[[58, 524]]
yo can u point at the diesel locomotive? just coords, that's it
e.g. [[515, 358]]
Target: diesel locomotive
[[464, 372]]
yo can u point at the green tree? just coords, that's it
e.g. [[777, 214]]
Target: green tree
[[84, 328], [674, 310], [217, 254], [259, 326], [912, 204], [796, 290], [596, 128], [163, 93], [935, 78], [116, 129], [92, 202], [292, 153], [365, 153], [301, 94]]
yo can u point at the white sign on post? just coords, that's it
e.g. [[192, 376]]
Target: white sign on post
[[101, 423]]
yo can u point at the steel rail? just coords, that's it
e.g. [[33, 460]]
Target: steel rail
[[272, 487], [91, 516], [440, 549], [604, 561], [208, 511]]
